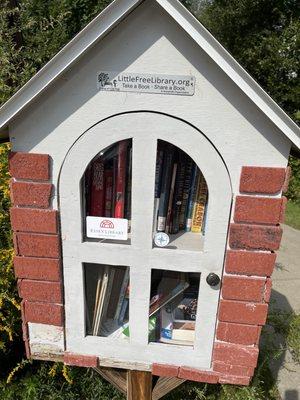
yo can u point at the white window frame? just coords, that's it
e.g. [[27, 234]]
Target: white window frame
[[145, 128]]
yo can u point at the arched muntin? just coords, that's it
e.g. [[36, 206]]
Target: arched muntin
[[145, 128]]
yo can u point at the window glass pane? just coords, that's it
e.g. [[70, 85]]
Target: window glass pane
[[180, 203], [173, 307], [107, 194], [107, 300]]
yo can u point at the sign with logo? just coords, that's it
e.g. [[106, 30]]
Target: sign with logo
[[182, 85], [107, 228]]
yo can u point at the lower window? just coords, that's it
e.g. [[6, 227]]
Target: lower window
[[173, 307], [107, 300]]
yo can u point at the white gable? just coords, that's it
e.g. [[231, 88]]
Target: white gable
[[111, 17]]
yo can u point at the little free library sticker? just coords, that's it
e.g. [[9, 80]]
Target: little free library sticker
[[146, 83], [107, 228]]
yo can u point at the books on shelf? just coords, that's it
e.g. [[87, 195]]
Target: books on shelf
[[181, 194], [111, 301], [108, 182]]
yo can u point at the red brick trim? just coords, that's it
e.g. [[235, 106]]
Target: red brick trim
[[249, 263], [288, 175], [198, 375], [241, 288], [165, 370], [257, 210], [254, 237], [243, 312], [238, 333], [235, 380], [235, 354], [262, 180], [29, 166], [33, 220], [43, 313], [236, 370], [40, 291], [44, 269], [284, 202], [32, 194], [268, 289], [37, 245], [80, 360]]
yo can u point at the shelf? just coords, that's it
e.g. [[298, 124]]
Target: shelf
[[185, 241]]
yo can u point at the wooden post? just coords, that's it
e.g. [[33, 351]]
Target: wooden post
[[139, 385]]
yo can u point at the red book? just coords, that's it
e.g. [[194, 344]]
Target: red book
[[121, 179], [97, 189], [108, 174]]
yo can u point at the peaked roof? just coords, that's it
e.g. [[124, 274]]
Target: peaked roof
[[106, 21]]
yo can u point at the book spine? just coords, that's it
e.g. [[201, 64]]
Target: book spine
[[108, 173], [204, 218], [157, 190], [171, 195], [123, 291], [97, 189], [185, 192], [199, 205], [121, 180], [178, 193], [158, 172], [128, 188], [191, 199], [165, 188]]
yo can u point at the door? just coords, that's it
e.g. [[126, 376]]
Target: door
[[144, 259]]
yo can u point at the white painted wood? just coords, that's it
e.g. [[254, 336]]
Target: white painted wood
[[145, 129], [107, 20]]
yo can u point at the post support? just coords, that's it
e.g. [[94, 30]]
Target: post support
[[139, 385]]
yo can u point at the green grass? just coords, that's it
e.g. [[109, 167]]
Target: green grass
[[292, 216]]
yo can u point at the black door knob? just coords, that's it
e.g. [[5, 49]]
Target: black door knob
[[213, 279]]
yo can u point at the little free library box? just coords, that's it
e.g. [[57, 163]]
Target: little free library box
[[147, 172]]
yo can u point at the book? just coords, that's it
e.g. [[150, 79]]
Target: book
[[128, 187], [99, 300], [108, 173], [165, 187], [185, 192], [163, 299], [171, 195], [122, 294], [157, 189], [191, 199], [178, 193], [96, 207], [199, 207], [120, 180]]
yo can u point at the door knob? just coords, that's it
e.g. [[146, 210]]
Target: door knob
[[213, 279]]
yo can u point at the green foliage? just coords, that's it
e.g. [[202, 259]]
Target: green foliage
[[264, 36], [9, 303], [294, 187], [292, 215]]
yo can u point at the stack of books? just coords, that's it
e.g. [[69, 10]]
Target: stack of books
[[109, 304], [108, 182], [180, 192]]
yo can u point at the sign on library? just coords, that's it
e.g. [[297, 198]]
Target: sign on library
[[107, 228], [146, 83]]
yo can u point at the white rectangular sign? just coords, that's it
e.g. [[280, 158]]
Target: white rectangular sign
[[146, 83], [107, 228]]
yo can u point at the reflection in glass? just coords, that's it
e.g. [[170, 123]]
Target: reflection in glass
[[173, 307]]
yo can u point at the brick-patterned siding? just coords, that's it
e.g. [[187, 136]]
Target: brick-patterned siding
[[37, 260], [246, 285]]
